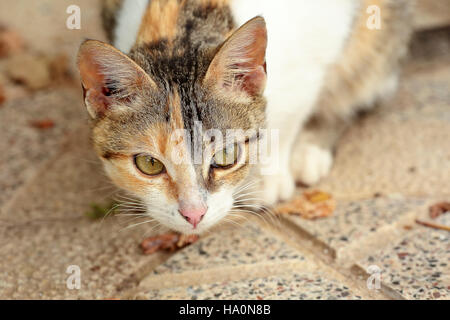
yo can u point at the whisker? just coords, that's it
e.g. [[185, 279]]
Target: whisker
[[254, 213], [240, 196], [137, 224], [235, 214], [246, 186], [156, 228], [109, 212]]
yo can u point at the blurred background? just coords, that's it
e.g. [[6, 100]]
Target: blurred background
[[49, 176]]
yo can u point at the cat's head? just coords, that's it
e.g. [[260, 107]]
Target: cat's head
[[165, 125]]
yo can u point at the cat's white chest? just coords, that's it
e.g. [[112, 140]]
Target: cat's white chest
[[304, 37]]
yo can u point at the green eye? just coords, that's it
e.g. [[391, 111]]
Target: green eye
[[226, 157], [148, 165]]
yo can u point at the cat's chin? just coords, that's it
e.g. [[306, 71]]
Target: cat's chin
[[204, 226], [181, 226], [189, 230]]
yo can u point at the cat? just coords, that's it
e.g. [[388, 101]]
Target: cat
[[302, 69]]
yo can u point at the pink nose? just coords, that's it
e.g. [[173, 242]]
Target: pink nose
[[193, 215]]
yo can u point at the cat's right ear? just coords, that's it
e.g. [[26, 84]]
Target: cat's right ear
[[108, 77], [239, 66]]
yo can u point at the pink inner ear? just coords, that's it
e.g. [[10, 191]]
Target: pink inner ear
[[99, 63], [93, 81], [240, 63], [96, 100], [254, 82]]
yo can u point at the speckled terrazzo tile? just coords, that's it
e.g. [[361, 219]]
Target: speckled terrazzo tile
[[357, 224], [297, 286], [73, 177], [34, 259], [25, 148], [418, 265], [249, 244], [46, 230]]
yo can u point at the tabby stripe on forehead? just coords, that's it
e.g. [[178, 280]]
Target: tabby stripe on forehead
[[174, 120], [160, 21], [174, 103]]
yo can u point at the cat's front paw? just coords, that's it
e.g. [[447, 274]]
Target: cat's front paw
[[310, 163], [278, 188]]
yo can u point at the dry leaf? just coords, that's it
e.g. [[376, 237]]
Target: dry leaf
[[310, 205], [167, 242], [184, 240], [42, 124], [317, 196], [439, 209]]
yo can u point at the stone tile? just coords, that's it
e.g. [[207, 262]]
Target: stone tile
[[35, 257], [295, 286], [235, 246], [418, 265], [228, 258], [26, 148], [74, 177], [45, 230], [358, 224], [389, 160]]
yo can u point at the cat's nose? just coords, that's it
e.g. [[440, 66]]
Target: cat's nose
[[193, 215]]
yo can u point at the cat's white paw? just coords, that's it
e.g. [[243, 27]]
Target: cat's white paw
[[310, 163], [278, 188]]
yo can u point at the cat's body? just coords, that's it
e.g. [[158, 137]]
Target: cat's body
[[323, 62]]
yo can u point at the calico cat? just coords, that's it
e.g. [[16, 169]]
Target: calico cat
[[299, 68]]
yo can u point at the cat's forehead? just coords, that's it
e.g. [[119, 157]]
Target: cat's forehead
[[155, 120], [179, 73], [195, 109]]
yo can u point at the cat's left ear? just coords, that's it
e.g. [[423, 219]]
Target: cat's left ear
[[240, 64], [109, 78]]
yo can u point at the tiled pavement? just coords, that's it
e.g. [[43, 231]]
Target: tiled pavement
[[389, 168]]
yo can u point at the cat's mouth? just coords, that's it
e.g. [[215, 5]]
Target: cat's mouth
[[187, 228], [194, 221]]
